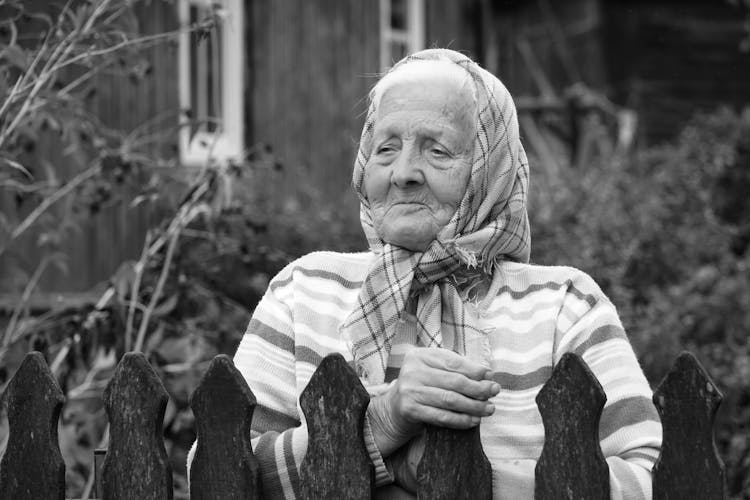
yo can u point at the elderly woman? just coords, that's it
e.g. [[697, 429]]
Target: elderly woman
[[444, 320]]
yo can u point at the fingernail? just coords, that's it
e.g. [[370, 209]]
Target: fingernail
[[475, 420], [489, 409], [489, 375], [495, 387]]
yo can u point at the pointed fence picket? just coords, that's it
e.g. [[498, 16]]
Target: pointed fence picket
[[689, 465], [336, 464], [136, 465], [571, 465], [224, 465], [32, 466]]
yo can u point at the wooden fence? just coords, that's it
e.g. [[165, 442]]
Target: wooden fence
[[336, 465]]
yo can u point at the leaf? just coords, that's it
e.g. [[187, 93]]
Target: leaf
[[143, 198], [123, 278], [58, 259], [80, 16], [166, 307], [15, 56], [15, 165], [51, 175], [45, 18]]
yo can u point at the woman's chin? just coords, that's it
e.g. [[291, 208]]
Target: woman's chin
[[410, 237]]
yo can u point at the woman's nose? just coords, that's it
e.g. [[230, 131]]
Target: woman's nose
[[407, 171]]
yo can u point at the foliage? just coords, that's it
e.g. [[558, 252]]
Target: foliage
[[666, 233], [52, 61]]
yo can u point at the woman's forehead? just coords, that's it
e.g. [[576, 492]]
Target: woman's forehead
[[433, 92], [437, 98]]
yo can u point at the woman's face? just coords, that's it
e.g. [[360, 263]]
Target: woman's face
[[421, 160]]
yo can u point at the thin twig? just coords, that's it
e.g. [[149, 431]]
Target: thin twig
[[140, 266], [25, 188], [85, 76], [92, 472], [28, 290], [59, 59], [60, 51], [61, 355], [157, 292], [49, 201], [106, 50]]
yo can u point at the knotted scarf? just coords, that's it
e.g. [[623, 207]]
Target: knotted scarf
[[490, 224]]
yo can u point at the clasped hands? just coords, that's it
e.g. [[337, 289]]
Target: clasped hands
[[434, 386]]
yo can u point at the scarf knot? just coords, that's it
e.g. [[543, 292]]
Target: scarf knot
[[438, 262]]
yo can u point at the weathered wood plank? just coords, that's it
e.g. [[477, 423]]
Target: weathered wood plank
[[32, 467], [689, 465], [136, 466], [224, 465], [454, 466], [336, 464], [571, 465]]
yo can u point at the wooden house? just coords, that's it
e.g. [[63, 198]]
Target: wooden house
[[286, 81]]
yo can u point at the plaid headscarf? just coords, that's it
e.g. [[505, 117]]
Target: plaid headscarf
[[489, 225]]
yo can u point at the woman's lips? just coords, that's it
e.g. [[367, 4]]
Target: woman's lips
[[409, 204]]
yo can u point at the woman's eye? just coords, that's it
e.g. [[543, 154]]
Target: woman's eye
[[439, 153], [385, 149]]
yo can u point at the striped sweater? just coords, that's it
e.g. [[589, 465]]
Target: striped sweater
[[538, 314]]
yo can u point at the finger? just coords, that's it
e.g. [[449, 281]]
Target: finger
[[446, 418], [457, 382], [447, 360], [454, 402]]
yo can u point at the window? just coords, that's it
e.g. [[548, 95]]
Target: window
[[401, 29], [211, 87]]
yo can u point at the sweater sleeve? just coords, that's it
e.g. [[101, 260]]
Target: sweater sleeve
[[266, 359], [629, 429]]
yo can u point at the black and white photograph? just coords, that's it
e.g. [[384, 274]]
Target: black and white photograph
[[375, 249]]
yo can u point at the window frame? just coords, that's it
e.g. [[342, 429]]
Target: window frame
[[227, 143], [413, 36]]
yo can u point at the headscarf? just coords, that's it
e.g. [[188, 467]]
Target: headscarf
[[490, 224]]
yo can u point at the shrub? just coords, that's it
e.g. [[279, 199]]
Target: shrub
[[666, 234]]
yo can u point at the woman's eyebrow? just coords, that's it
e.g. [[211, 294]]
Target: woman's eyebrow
[[422, 128]]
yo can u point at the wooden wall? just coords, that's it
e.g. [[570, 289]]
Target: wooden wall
[[454, 25], [562, 38], [310, 67], [669, 59]]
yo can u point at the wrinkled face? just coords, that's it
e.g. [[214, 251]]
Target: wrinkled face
[[421, 159]]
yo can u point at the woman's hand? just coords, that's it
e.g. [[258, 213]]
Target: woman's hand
[[434, 386]]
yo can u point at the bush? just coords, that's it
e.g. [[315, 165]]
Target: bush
[[666, 234]]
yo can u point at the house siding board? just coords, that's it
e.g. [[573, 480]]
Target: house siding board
[[311, 61], [117, 233], [670, 60], [580, 24], [454, 25]]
